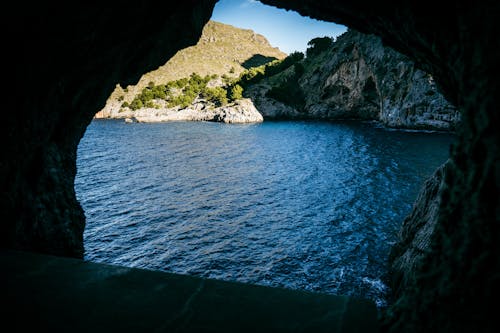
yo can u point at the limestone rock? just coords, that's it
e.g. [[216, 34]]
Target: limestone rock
[[241, 111], [268, 107], [222, 49], [359, 78], [416, 232], [84, 49]]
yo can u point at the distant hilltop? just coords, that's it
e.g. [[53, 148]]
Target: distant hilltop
[[222, 49], [352, 77]]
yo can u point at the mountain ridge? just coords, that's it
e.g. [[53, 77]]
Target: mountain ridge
[[222, 49]]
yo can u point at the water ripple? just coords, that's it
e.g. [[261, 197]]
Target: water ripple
[[303, 205]]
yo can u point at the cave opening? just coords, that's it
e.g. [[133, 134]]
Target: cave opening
[[82, 50], [153, 195]]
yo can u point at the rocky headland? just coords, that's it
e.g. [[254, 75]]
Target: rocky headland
[[353, 77], [84, 48], [239, 112], [356, 77], [222, 50]]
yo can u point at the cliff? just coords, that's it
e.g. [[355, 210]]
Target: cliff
[[221, 49], [416, 232], [357, 77], [75, 53], [240, 112]]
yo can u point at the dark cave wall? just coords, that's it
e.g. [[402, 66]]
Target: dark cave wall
[[65, 59], [458, 43]]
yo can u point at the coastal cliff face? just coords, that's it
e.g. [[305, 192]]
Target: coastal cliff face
[[357, 77], [414, 238], [222, 49], [458, 45], [240, 112], [75, 53]]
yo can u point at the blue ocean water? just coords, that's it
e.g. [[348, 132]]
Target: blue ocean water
[[303, 205]]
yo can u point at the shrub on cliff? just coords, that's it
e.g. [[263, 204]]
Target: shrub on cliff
[[235, 92], [289, 91], [217, 95], [183, 92], [256, 74], [136, 104], [318, 45], [177, 84]]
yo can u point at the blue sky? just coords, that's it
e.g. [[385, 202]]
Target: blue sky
[[285, 29]]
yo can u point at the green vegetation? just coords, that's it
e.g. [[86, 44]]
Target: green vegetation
[[222, 49], [318, 45], [236, 92], [183, 92], [136, 104], [282, 75], [256, 74], [217, 95], [227, 80], [289, 91]]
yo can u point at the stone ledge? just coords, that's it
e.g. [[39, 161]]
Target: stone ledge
[[55, 294]]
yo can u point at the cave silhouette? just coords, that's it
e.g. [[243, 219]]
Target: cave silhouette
[[66, 59]]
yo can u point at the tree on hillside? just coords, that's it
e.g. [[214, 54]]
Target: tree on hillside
[[256, 74], [217, 95], [236, 92], [136, 104], [318, 45]]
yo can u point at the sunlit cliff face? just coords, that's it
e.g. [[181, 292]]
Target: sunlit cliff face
[[74, 54]]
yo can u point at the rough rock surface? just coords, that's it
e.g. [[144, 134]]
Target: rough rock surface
[[358, 77], [222, 49], [71, 55], [239, 112], [74, 53], [269, 107], [415, 235], [458, 45]]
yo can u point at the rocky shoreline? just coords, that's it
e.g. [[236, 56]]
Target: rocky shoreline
[[357, 77], [240, 112]]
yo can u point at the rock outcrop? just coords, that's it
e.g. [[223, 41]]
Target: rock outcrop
[[73, 54], [414, 238], [458, 45], [240, 112], [222, 49], [358, 77]]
